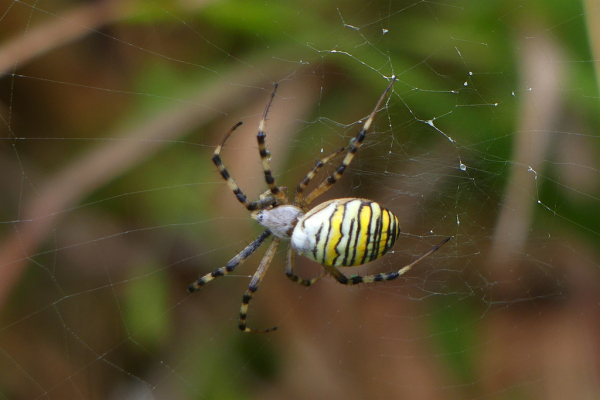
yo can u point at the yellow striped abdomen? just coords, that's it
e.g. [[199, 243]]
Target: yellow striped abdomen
[[345, 232]]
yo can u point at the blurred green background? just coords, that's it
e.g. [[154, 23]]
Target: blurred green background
[[110, 205]]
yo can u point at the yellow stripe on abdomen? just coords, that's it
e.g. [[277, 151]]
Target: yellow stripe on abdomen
[[346, 232], [385, 224], [349, 228], [335, 235], [360, 244]]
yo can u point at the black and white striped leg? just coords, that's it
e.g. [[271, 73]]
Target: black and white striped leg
[[320, 164], [354, 146], [231, 265], [254, 283], [264, 154], [251, 206], [289, 271], [388, 276]]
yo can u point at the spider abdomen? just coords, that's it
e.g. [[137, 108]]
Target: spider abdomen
[[345, 232]]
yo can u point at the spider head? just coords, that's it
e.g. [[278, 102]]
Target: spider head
[[280, 220], [258, 215]]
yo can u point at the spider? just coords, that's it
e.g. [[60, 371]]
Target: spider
[[337, 233]]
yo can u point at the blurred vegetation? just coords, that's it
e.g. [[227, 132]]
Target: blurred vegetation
[[99, 306]]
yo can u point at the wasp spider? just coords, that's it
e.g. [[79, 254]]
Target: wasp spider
[[337, 233]]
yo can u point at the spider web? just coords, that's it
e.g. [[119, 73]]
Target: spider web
[[110, 205]]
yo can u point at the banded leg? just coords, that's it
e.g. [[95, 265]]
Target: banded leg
[[264, 154], [355, 279], [256, 279], [231, 265], [251, 206], [300, 189], [354, 146], [289, 271]]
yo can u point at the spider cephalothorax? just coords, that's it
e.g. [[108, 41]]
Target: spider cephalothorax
[[337, 233], [280, 220]]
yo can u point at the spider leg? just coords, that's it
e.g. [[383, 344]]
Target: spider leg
[[251, 206], [388, 276], [256, 279], [264, 154], [354, 146], [289, 271], [231, 265], [300, 189]]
